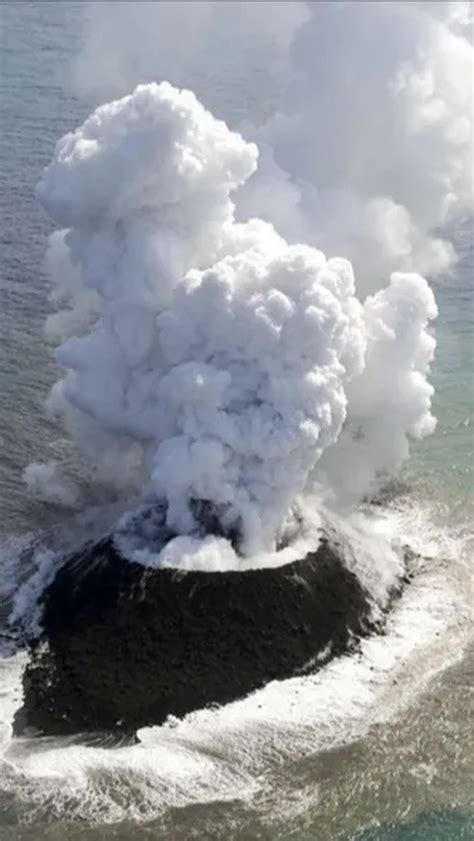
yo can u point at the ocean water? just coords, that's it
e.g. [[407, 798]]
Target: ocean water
[[377, 746]]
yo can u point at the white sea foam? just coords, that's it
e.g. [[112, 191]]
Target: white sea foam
[[231, 753], [12, 549]]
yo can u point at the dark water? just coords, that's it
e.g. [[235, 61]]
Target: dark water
[[404, 775]]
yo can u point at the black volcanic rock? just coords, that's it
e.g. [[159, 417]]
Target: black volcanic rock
[[124, 646]]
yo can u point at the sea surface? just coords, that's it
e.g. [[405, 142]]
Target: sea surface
[[377, 747]]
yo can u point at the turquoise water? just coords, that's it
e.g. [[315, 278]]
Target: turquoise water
[[410, 775], [447, 457], [444, 827]]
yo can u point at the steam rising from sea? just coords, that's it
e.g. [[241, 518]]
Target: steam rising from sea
[[209, 358], [210, 350], [362, 113]]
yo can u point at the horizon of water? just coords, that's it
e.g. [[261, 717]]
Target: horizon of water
[[362, 777]]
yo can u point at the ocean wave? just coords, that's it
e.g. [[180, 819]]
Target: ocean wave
[[233, 752]]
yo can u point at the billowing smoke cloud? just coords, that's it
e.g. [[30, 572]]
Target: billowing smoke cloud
[[362, 112], [373, 140], [214, 360], [390, 401]]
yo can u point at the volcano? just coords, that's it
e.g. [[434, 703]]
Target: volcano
[[124, 645]]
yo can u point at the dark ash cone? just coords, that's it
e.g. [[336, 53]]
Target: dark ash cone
[[125, 646]]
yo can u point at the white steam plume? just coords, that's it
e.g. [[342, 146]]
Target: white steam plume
[[372, 142], [390, 401], [221, 362], [368, 150]]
